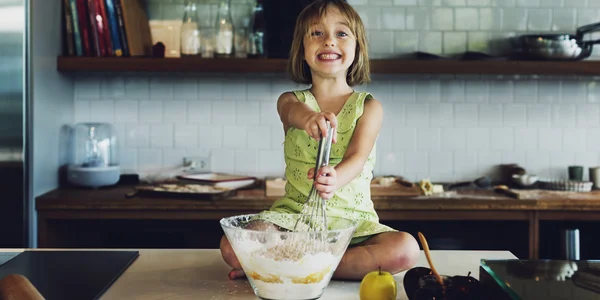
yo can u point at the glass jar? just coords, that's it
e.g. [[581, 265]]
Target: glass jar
[[190, 32], [224, 30], [95, 160]]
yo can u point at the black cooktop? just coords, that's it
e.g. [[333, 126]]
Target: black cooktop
[[541, 279], [6, 256], [83, 275]]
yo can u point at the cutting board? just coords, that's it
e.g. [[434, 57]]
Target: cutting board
[[395, 189], [538, 194], [275, 187]]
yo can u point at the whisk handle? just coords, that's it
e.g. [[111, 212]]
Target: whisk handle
[[326, 146]]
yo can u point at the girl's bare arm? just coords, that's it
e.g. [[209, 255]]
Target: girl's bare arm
[[294, 113], [364, 137], [291, 111]]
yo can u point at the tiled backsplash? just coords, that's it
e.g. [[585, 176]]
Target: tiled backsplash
[[443, 128], [450, 27], [438, 127]]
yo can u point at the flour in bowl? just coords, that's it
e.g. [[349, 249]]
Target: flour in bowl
[[280, 272]]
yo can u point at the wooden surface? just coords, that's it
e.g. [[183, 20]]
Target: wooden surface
[[255, 199], [276, 188], [202, 274], [384, 66]]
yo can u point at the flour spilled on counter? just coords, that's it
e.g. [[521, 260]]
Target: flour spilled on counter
[[281, 271], [455, 195]]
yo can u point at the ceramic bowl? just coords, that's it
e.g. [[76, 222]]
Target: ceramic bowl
[[525, 180]]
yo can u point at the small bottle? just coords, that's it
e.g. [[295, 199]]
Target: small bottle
[[190, 33], [224, 31], [257, 35]]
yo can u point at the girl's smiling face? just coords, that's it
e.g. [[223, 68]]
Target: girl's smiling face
[[330, 45]]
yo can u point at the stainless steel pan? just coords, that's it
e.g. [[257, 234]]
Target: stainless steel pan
[[555, 46]]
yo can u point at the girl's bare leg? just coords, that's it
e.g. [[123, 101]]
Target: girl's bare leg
[[392, 251]]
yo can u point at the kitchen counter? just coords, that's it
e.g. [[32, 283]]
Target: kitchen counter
[[255, 199], [202, 274], [67, 207]]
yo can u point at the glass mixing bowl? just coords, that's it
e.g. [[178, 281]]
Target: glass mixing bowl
[[282, 264]]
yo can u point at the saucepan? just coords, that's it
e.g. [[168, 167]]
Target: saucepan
[[561, 46]]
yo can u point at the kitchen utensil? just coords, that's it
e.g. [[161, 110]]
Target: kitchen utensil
[[428, 256], [565, 185], [405, 182], [569, 242], [563, 46], [502, 189], [575, 173], [275, 266], [594, 175], [182, 191], [525, 180], [479, 183], [422, 283], [314, 208], [220, 180]]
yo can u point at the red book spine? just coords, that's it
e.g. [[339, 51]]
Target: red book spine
[[84, 27], [93, 29], [97, 19], [101, 12]]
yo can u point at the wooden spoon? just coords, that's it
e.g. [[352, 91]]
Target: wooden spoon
[[428, 255]]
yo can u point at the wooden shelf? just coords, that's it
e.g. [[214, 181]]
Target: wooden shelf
[[378, 66]]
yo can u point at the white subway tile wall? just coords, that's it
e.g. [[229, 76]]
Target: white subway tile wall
[[438, 127]]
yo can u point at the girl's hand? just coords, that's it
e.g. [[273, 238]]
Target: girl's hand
[[316, 125], [326, 181]]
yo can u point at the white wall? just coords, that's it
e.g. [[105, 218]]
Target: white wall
[[439, 127], [51, 101]]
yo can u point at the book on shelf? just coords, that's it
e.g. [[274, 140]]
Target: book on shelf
[[105, 28]]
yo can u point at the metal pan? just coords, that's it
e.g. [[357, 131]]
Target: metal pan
[[555, 46], [168, 191]]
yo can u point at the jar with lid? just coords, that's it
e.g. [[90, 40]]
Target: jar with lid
[[190, 31], [94, 161], [224, 31]]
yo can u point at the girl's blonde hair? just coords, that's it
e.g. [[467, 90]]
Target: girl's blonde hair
[[298, 69]]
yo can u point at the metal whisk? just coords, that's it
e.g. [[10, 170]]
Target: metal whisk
[[313, 216]]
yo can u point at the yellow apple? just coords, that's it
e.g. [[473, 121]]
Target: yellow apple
[[378, 285]]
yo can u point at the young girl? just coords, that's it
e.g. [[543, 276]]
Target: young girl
[[329, 51]]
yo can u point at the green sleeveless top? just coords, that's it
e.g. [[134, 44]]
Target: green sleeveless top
[[352, 201]]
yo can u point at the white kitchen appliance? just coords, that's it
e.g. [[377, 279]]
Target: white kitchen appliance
[[95, 155]]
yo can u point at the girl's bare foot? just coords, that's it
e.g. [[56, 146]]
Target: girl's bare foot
[[237, 274]]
